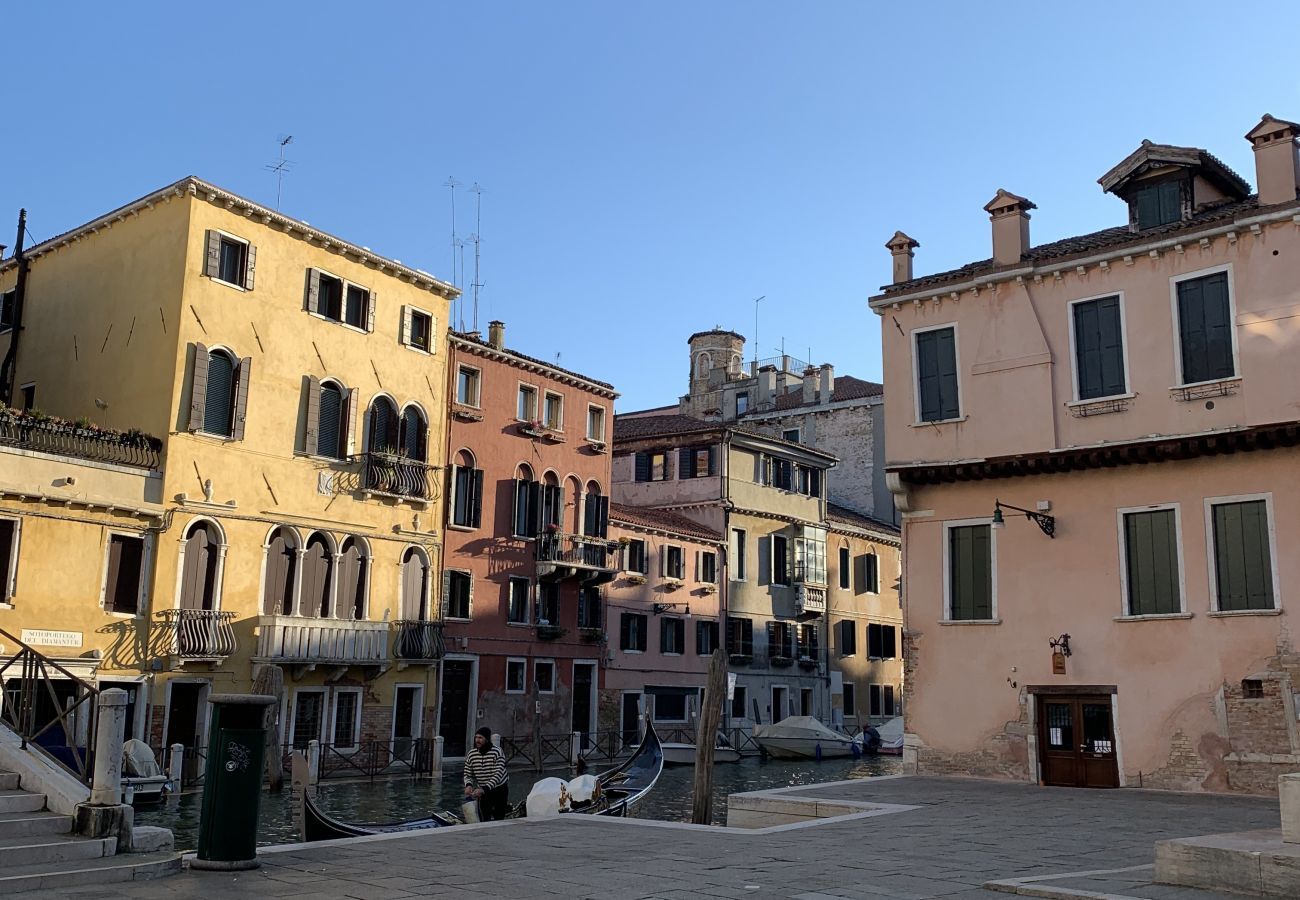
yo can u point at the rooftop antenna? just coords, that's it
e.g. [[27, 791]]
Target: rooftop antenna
[[452, 183], [757, 300], [281, 167], [460, 247], [477, 239]]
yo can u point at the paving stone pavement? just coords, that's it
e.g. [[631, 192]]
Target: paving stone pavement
[[965, 832]]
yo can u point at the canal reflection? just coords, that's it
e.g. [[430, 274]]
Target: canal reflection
[[407, 798]]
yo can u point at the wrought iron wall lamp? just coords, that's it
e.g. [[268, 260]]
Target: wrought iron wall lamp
[[1044, 521]]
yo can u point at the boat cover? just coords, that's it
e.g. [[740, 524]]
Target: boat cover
[[799, 728]]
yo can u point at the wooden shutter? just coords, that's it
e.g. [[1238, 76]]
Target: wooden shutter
[[1218, 326], [937, 374], [405, 336], [1152, 555], [534, 508], [1099, 349], [713, 463], [446, 591], [1148, 207], [212, 259], [970, 572], [1205, 330], [643, 467], [1242, 561], [602, 516], [686, 462], [873, 641], [476, 498], [122, 585], [242, 377], [625, 631], [198, 387], [663, 560], [872, 572], [889, 645], [311, 440], [250, 266], [311, 300], [372, 300]]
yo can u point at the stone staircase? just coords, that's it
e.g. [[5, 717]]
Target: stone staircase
[[38, 850]]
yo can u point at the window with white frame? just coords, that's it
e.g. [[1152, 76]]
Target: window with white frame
[[1241, 553], [517, 601], [553, 412], [737, 554], [346, 732], [708, 567], [672, 635], [671, 564], [632, 632], [936, 374], [230, 259], [123, 571], [9, 534], [417, 329], [308, 720], [1206, 331], [1152, 561], [969, 561], [526, 406], [459, 592], [544, 675], [516, 676], [467, 386], [595, 423], [850, 700], [791, 435], [634, 556], [1099, 363], [333, 298]]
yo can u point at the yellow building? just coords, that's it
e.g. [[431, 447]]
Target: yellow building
[[297, 385]]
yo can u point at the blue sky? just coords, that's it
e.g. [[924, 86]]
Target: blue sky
[[649, 168]]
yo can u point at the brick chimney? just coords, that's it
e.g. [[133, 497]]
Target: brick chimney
[[828, 382], [767, 385], [901, 246], [1277, 169], [810, 384], [497, 334], [1010, 217]]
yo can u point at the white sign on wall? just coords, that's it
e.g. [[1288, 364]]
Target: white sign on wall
[[38, 637]]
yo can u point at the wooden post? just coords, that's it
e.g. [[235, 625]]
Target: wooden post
[[270, 682], [706, 737]]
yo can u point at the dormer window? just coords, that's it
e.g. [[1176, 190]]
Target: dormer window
[[1157, 204]]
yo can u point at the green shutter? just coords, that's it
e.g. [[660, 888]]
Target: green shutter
[[1205, 329], [1151, 551], [1242, 561], [1099, 348], [937, 374], [970, 572]]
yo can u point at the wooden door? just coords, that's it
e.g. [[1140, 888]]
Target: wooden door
[[453, 724], [1076, 737]]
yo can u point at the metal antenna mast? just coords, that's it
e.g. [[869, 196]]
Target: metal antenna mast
[[452, 183], [476, 237], [757, 300], [280, 168]]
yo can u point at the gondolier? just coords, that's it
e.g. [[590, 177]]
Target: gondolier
[[486, 779]]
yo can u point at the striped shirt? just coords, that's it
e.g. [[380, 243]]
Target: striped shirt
[[485, 770]]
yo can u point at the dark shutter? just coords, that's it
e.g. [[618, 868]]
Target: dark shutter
[[371, 298], [212, 259], [845, 573], [625, 631], [250, 266], [713, 462], [311, 300], [970, 572], [888, 642], [534, 520], [219, 399], [350, 420], [602, 516], [243, 377], [1205, 331], [476, 498], [686, 462], [404, 334], [329, 421], [937, 374], [1151, 551], [873, 641], [1242, 561], [643, 467], [872, 572], [311, 439], [198, 387], [1099, 348], [122, 588]]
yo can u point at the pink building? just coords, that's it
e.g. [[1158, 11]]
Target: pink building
[[1093, 445]]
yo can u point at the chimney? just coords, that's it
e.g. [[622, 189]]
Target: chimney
[[497, 334], [828, 382], [1010, 217], [766, 385], [901, 246], [1277, 169], [810, 385]]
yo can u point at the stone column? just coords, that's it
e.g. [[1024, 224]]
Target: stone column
[[106, 788], [1288, 796]]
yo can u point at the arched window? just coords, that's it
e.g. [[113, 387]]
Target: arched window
[[573, 489], [415, 585], [281, 568], [528, 502], [332, 429], [354, 573], [595, 515], [411, 437], [383, 426], [552, 503], [317, 572], [219, 395], [199, 572], [702, 365]]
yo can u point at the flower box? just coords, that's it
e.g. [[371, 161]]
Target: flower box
[[740, 659], [634, 579], [590, 635], [781, 662], [550, 632]]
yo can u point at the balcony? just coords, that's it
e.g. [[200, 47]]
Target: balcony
[[50, 435], [418, 642], [809, 601], [198, 635], [308, 642], [388, 475], [561, 556]]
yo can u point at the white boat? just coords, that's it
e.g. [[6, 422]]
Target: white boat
[[802, 737], [891, 738], [684, 754]]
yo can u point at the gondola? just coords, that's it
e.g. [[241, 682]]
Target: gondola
[[621, 788]]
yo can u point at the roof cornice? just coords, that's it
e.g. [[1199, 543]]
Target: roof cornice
[[515, 359]]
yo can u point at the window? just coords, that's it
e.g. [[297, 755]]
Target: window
[[651, 466], [356, 306], [595, 522], [595, 423], [737, 554], [1243, 559], [552, 499], [219, 393], [308, 718], [230, 259], [848, 637], [881, 641], [526, 408], [936, 374], [528, 503], [738, 702], [1205, 329], [460, 588], [874, 705], [122, 581], [740, 636], [354, 577], [29, 397], [780, 559], [1158, 204], [517, 601], [544, 676], [417, 329], [672, 635], [199, 586], [706, 637], [669, 705], [1151, 564], [632, 632], [281, 567], [467, 386], [844, 569], [888, 699], [328, 415], [8, 559], [411, 434], [553, 412], [742, 403], [810, 556], [779, 473], [970, 572], [1252, 689], [467, 496], [708, 568], [850, 700], [548, 603], [791, 435], [868, 574], [1099, 348], [671, 565], [634, 556], [809, 645], [694, 462], [780, 640], [516, 676], [330, 297], [589, 608], [347, 719], [7, 309]]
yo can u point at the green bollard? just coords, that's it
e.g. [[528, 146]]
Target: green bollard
[[232, 783]]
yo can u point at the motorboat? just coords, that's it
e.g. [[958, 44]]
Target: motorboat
[[615, 792], [681, 754], [803, 737]]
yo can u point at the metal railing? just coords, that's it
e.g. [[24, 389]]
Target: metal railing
[[557, 749], [130, 448], [739, 738], [418, 640], [58, 724], [370, 759], [396, 476], [200, 633], [581, 550]]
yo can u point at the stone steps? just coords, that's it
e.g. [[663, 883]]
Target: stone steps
[[18, 824], [16, 801], [53, 848], [115, 869]]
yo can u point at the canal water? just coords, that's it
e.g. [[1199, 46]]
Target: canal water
[[396, 799]]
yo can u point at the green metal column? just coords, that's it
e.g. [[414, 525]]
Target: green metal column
[[232, 784]]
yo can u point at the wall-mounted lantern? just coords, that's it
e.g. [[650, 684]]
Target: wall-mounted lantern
[[1044, 521]]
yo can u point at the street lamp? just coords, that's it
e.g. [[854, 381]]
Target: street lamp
[[1045, 522], [660, 608]]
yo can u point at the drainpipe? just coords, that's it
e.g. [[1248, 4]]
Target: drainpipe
[[20, 289]]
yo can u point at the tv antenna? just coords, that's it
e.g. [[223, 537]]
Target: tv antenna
[[476, 237], [460, 249], [757, 300], [452, 183], [279, 169]]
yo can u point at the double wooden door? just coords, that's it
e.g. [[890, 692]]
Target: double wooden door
[[1076, 739]]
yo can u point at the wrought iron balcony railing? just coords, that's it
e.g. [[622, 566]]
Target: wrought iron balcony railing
[[200, 635], [418, 641], [130, 448], [561, 555], [396, 476]]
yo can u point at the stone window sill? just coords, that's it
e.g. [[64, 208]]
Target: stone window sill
[[1234, 613], [970, 621], [1153, 617], [955, 421]]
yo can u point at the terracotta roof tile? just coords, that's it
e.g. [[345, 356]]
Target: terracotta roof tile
[[846, 516], [471, 339], [654, 426], [846, 388], [661, 519]]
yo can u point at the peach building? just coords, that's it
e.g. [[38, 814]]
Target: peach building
[[1092, 442]]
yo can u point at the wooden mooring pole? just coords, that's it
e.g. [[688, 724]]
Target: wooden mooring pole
[[706, 735]]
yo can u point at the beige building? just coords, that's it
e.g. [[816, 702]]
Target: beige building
[[296, 383]]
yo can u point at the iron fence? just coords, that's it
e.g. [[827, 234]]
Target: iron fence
[[130, 448], [49, 708], [200, 633], [396, 476]]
